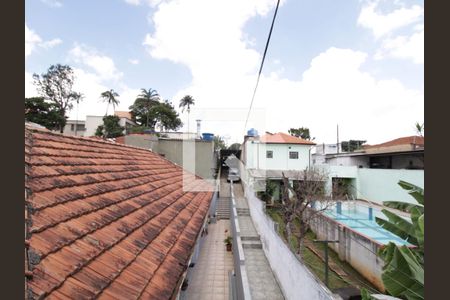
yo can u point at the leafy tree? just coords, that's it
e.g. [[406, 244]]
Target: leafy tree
[[165, 116], [403, 271], [185, 103], [352, 145], [38, 111], [302, 132], [110, 128], [420, 128], [110, 98], [141, 110], [234, 146], [219, 143], [56, 86], [307, 188]]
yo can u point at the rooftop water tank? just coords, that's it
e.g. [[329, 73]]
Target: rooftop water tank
[[208, 136], [252, 132]]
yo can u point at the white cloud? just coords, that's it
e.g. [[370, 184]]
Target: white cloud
[[103, 65], [148, 2], [223, 65], [383, 24], [133, 61], [33, 40], [404, 47], [52, 3]]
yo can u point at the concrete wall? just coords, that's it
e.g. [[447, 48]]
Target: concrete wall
[[92, 122], [295, 279], [360, 252], [378, 185], [256, 156], [205, 160], [349, 161]]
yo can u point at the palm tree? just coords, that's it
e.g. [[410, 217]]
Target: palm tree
[[186, 102], [110, 98], [150, 97]]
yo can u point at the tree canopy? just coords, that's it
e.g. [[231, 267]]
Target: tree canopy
[[38, 111], [110, 128], [219, 143], [110, 98], [149, 112], [301, 132], [234, 146], [56, 86], [186, 102], [352, 145]]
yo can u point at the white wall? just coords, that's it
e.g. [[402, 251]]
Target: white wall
[[380, 185], [349, 161], [295, 279], [376, 185], [256, 156], [92, 122]]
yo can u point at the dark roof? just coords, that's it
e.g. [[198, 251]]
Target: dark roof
[[105, 220]]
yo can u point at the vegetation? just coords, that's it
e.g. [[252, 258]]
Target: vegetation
[[185, 103], [219, 143], [148, 112], [403, 272], [306, 190], [316, 263], [352, 145], [267, 194], [38, 111], [56, 86], [141, 110], [420, 128], [110, 128], [234, 146], [302, 132], [110, 98]]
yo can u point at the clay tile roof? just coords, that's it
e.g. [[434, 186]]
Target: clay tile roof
[[283, 138], [408, 140], [123, 114], [105, 220]]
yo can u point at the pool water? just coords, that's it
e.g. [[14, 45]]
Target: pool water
[[359, 218]]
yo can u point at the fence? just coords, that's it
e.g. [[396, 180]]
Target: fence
[[240, 274]]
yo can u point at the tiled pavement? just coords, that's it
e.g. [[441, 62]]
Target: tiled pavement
[[263, 284], [209, 278]]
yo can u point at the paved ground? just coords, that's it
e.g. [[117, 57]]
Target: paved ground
[[263, 284], [210, 274]]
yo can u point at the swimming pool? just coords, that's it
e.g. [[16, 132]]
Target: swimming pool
[[361, 218]]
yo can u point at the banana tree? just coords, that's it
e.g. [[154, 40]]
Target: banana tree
[[403, 271]]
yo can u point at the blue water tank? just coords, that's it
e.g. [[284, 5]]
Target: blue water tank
[[252, 132], [208, 136]]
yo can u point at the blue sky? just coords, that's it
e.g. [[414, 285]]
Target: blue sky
[[356, 63]]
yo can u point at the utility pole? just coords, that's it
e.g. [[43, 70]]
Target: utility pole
[[337, 137], [325, 243]]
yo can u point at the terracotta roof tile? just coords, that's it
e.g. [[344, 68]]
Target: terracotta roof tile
[[283, 138], [106, 220], [408, 140]]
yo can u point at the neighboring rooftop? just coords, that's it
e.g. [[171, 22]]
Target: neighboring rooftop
[[408, 141], [123, 114], [104, 220], [283, 138]]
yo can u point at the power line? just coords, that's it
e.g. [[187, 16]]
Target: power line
[[262, 64]]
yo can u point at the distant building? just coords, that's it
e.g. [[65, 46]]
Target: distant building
[[89, 126], [75, 127]]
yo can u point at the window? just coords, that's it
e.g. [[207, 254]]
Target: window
[[293, 154], [269, 154]]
